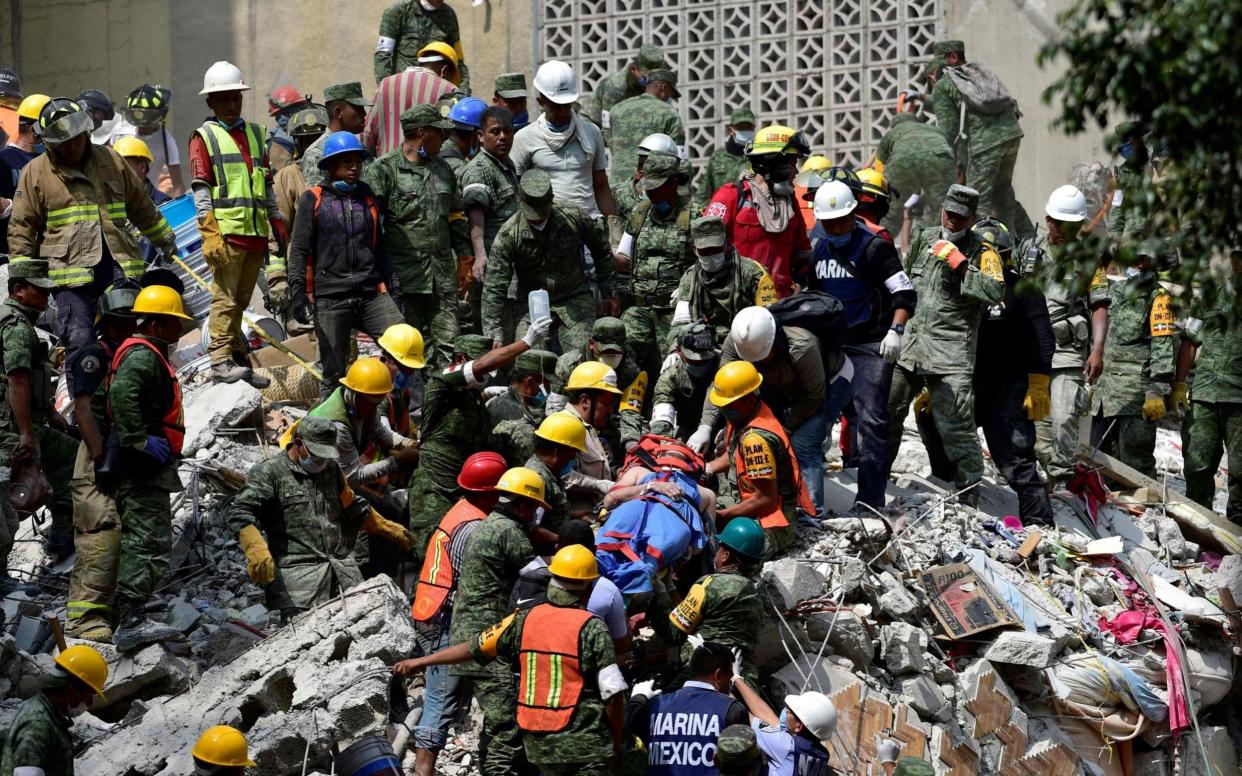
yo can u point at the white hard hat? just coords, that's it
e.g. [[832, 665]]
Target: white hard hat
[[1066, 203], [223, 77], [658, 143], [753, 332], [557, 81], [833, 200], [815, 711]]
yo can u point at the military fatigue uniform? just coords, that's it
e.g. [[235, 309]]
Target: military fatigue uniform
[[724, 607], [309, 164], [549, 258], [38, 739], [626, 196], [1070, 305], [633, 119], [597, 108], [627, 421], [660, 254], [21, 348], [553, 494], [1126, 219], [419, 200], [940, 346], [513, 427], [715, 298], [917, 160], [678, 389], [406, 27], [490, 184], [723, 166], [1215, 416], [1139, 357]]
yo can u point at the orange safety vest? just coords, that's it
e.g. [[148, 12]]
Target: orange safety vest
[[174, 423], [766, 421], [436, 579], [551, 680]]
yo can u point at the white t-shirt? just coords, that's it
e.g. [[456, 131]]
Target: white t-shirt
[[571, 168], [156, 143]]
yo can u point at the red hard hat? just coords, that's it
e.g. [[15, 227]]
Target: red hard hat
[[482, 471], [282, 97]]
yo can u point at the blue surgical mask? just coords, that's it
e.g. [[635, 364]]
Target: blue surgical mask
[[521, 119], [558, 128], [743, 138], [312, 465], [282, 120], [840, 240], [422, 152], [402, 380], [662, 209], [344, 186], [569, 468], [1126, 150], [699, 368], [235, 125], [785, 720], [643, 81]]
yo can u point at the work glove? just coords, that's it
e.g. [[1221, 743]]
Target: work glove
[[922, 403], [213, 240], [737, 664], [646, 689], [304, 313], [700, 439], [948, 253], [387, 529], [260, 565], [890, 347], [1038, 401], [538, 331], [695, 640], [1153, 407], [1180, 398], [278, 293], [157, 447]]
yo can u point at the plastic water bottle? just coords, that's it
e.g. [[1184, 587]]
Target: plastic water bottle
[[539, 304]]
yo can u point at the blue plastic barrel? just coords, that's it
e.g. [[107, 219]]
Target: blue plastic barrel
[[370, 756]]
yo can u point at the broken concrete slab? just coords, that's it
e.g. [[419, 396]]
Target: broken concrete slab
[[903, 648], [809, 673], [925, 697], [146, 673], [899, 604], [216, 406], [1023, 649], [183, 615], [794, 580], [1229, 576], [847, 636]]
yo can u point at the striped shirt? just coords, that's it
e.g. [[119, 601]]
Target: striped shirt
[[397, 94]]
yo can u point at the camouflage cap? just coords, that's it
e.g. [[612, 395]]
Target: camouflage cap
[[309, 121], [741, 116], [511, 85], [649, 57], [914, 766], [1124, 132], [708, 232], [736, 747], [535, 194], [698, 341], [942, 47], [33, 271], [472, 346], [319, 436], [536, 362], [962, 200], [350, 92], [608, 334], [658, 170], [423, 115], [663, 74]]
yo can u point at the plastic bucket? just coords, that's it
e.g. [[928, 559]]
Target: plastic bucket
[[180, 215], [370, 756]]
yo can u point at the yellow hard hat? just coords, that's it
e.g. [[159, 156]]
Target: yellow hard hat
[[369, 376], [404, 343], [523, 482], [816, 163], [30, 107], [873, 182], [593, 375], [86, 664], [437, 49], [733, 381], [132, 146], [771, 140], [160, 300], [563, 428], [223, 745], [574, 562]]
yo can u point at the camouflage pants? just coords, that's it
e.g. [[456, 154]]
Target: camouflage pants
[[1056, 436], [575, 769], [427, 505], [97, 541], [146, 540], [57, 452], [952, 406], [1131, 440], [435, 317], [1210, 429], [574, 318], [647, 332], [929, 175], [991, 173], [500, 743]]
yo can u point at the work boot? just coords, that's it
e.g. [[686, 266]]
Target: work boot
[[89, 630], [136, 632], [228, 372], [258, 381]]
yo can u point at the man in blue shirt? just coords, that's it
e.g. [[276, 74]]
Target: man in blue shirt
[[791, 743]]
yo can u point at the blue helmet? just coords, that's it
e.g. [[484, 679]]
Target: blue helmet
[[467, 113], [341, 143]]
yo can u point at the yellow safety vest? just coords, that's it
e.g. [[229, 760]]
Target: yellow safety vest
[[240, 194]]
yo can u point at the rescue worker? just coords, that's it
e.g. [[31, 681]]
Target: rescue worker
[[299, 497], [559, 440], [432, 81], [634, 118], [541, 246], [791, 742], [874, 201], [142, 404], [608, 346], [407, 27], [628, 193], [679, 729], [306, 127], [462, 142], [1212, 403], [339, 271], [917, 160], [489, 186], [724, 606], [737, 752], [455, 422], [592, 391], [22, 148], [494, 556], [760, 213], [758, 457], [517, 412], [235, 205], [419, 197], [346, 110], [720, 283], [444, 692], [957, 278], [282, 103], [727, 163], [96, 524], [864, 272], [146, 117], [1078, 311], [136, 154], [570, 692], [73, 208], [10, 98], [510, 93], [681, 388], [33, 435], [630, 81], [401, 347], [38, 741], [815, 172], [221, 751], [1128, 220]]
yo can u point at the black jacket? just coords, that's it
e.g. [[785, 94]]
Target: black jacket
[[1015, 338], [341, 241]]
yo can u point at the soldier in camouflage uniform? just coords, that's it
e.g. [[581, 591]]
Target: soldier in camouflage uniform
[[628, 82], [720, 283], [300, 500], [516, 413], [37, 742], [409, 25], [541, 246], [684, 379], [985, 145], [728, 162], [347, 112], [917, 160], [608, 346], [628, 194], [421, 200], [31, 432], [1126, 220], [489, 186], [557, 445], [1214, 408], [957, 278], [634, 118]]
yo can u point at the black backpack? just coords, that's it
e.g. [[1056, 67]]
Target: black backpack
[[820, 313]]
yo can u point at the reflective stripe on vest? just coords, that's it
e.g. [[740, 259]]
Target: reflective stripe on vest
[[766, 421], [240, 194], [173, 422], [682, 730], [436, 579], [551, 677]]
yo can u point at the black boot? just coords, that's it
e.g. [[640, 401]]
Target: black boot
[[136, 631]]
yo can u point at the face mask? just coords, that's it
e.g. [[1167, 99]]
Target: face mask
[[840, 240], [643, 81], [612, 360], [731, 415], [312, 465], [698, 368], [538, 400], [235, 125], [521, 119], [402, 380], [422, 152], [782, 188], [473, 152], [538, 516], [662, 209], [568, 468], [713, 262], [785, 720], [1133, 272], [743, 138], [282, 121], [426, 5], [558, 128], [344, 186], [952, 236]]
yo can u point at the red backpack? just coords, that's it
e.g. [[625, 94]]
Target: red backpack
[[661, 453]]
